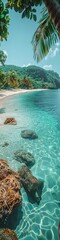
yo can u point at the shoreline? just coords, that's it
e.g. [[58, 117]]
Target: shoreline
[[6, 93]]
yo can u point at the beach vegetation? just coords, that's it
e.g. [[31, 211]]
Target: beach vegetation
[[31, 77]]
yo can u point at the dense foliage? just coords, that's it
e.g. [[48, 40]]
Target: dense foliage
[[4, 21], [45, 36], [28, 77], [26, 8], [3, 57], [48, 31]]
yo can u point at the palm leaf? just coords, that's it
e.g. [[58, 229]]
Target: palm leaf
[[45, 36]]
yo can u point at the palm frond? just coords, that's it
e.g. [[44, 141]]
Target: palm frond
[[45, 36], [58, 1]]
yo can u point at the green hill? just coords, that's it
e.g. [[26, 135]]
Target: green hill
[[28, 77]]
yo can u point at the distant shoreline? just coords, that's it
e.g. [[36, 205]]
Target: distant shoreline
[[6, 93]]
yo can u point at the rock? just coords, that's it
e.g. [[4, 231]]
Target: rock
[[10, 196], [28, 134], [25, 157], [10, 121], [32, 185], [5, 144], [7, 234]]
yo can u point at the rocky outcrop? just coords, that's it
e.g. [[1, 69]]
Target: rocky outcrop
[[10, 196], [28, 134], [25, 157], [32, 185], [7, 234], [11, 121]]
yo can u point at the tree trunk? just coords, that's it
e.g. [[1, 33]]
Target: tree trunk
[[54, 11]]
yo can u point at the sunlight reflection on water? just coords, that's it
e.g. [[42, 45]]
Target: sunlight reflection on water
[[39, 112]]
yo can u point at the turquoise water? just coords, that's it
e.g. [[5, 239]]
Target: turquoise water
[[38, 111]]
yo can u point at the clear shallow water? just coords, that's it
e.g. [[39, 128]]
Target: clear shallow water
[[39, 111]]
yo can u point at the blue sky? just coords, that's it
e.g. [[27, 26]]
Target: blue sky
[[19, 47]]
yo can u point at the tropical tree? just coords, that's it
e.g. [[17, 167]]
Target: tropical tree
[[4, 21], [48, 31], [12, 79], [45, 36], [54, 12], [25, 83], [3, 57], [28, 9], [2, 78]]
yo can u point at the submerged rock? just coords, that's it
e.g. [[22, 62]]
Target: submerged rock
[[32, 185], [5, 144], [25, 157], [10, 196], [7, 234], [29, 134], [10, 121]]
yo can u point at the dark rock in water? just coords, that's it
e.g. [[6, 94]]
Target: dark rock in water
[[5, 144], [7, 234], [32, 185], [25, 157], [10, 196], [11, 121], [28, 134]]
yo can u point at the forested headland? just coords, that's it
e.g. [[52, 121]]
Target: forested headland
[[30, 77]]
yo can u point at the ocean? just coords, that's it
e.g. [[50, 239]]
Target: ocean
[[40, 112]]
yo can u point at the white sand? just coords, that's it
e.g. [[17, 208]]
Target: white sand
[[6, 93]]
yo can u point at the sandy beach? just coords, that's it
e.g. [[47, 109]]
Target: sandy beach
[[6, 93]]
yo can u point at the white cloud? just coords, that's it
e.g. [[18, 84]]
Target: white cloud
[[29, 64], [57, 44], [52, 53], [46, 57], [5, 53], [47, 67], [49, 54]]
